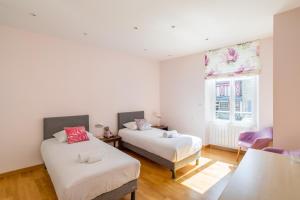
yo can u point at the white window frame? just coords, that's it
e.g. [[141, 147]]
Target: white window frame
[[232, 101]]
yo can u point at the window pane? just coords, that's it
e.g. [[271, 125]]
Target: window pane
[[243, 116], [244, 99], [223, 100], [221, 115]]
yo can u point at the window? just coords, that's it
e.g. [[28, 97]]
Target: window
[[223, 100], [235, 99]]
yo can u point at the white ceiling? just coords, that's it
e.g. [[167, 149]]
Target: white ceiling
[[109, 23]]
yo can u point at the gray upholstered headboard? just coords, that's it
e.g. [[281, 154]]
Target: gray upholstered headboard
[[129, 117], [56, 124]]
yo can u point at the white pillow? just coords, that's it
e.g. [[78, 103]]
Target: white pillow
[[131, 125], [61, 136]]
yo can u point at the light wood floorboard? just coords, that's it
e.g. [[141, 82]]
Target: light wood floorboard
[[154, 181]]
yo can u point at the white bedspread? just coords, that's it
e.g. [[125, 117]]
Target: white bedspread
[[172, 149], [81, 181]]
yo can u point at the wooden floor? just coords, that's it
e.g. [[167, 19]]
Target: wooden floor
[[205, 181]]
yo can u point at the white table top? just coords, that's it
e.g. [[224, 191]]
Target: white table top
[[264, 176]]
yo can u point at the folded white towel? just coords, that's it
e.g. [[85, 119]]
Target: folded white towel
[[95, 158], [83, 157], [165, 135], [170, 134], [88, 157], [174, 135]]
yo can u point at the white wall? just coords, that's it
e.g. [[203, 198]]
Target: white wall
[[42, 76], [266, 84], [287, 79], [182, 92]]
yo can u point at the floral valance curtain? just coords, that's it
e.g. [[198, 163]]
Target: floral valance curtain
[[236, 60]]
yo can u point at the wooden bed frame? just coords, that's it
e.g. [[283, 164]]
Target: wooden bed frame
[[56, 124], [173, 166]]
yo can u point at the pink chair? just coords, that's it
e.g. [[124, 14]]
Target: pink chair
[[255, 139]]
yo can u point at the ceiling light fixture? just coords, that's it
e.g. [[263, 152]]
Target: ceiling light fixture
[[135, 28], [173, 26], [206, 39], [145, 49], [32, 14], [85, 33]]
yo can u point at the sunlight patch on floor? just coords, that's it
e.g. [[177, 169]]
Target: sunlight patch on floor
[[192, 168], [208, 177]]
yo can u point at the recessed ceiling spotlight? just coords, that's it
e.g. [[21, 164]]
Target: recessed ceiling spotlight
[[206, 39], [33, 14], [85, 33], [135, 28], [173, 26]]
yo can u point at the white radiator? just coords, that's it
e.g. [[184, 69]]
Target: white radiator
[[225, 135]]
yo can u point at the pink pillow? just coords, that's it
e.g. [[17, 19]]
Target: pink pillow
[[76, 134]]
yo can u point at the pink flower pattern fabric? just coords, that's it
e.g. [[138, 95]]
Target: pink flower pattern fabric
[[233, 61], [206, 60], [76, 134], [232, 55]]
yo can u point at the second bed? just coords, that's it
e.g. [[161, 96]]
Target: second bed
[[172, 153]]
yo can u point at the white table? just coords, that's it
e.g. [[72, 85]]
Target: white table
[[264, 176]]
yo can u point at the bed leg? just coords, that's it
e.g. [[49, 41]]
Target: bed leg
[[120, 146], [197, 161], [132, 195], [173, 173]]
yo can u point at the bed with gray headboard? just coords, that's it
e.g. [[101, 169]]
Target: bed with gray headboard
[[173, 166], [56, 124]]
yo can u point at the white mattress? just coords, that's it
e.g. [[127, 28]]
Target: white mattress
[[172, 149], [80, 181]]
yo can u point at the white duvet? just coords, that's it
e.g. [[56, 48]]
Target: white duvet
[[172, 149], [81, 181]]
